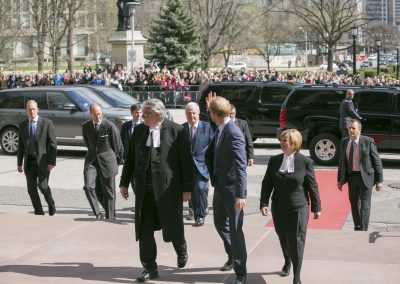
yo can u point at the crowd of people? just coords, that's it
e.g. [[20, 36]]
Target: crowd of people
[[165, 79]]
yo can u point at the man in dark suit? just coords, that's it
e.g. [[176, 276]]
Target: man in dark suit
[[226, 162], [244, 127], [129, 126], [361, 167], [37, 151], [347, 112], [160, 162], [200, 134], [103, 141]]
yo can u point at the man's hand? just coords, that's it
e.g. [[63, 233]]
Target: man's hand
[[50, 167], [250, 162], [379, 186], [339, 186], [20, 169], [240, 203], [186, 196], [317, 215], [124, 192], [265, 211], [209, 97]]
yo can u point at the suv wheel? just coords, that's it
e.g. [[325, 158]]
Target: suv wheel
[[324, 149], [9, 140]]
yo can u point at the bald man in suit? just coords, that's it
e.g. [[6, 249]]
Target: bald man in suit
[[36, 155]]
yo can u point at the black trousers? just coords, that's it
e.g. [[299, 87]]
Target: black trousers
[[107, 189], [151, 222], [36, 178], [291, 228], [360, 201]]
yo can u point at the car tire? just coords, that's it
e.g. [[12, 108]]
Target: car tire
[[9, 140], [324, 149]]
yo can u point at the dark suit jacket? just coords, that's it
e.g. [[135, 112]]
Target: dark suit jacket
[[46, 144], [170, 179], [231, 177], [347, 112], [204, 134], [244, 127], [106, 149], [370, 162], [290, 190], [126, 134]]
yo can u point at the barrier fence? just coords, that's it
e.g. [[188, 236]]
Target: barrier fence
[[177, 98]]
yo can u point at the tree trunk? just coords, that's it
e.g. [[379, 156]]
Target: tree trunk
[[70, 47], [330, 57]]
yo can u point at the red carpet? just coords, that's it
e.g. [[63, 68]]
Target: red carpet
[[334, 203]]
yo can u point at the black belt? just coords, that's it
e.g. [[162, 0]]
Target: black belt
[[32, 156], [355, 173]]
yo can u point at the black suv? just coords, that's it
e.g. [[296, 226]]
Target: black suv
[[258, 103], [313, 110]]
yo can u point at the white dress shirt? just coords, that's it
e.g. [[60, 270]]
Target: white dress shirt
[[287, 165]]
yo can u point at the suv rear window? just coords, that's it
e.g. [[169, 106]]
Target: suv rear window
[[373, 101], [316, 99]]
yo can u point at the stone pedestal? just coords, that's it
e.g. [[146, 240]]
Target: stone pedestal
[[127, 46], [122, 51]]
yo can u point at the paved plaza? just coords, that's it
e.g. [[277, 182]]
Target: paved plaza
[[72, 247]]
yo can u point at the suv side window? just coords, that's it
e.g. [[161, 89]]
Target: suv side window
[[397, 110], [373, 101], [39, 96], [13, 100], [57, 100], [316, 99], [235, 93], [273, 95]]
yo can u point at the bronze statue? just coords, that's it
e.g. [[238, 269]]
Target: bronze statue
[[123, 14]]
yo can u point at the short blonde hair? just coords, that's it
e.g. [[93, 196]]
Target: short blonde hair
[[220, 106], [295, 138]]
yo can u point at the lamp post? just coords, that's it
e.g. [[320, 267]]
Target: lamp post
[[354, 32], [378, 45], [132, 9], [397, 63]]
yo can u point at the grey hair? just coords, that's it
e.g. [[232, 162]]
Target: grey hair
[[192, 106], [355, 121], [157, 106]]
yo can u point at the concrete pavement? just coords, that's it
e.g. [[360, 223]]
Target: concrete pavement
[[72, 247]]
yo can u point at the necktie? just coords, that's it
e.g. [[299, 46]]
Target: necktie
[[192, 136], [351, 154], [151, 140], [32, 134], [216, 149], [97, 129]]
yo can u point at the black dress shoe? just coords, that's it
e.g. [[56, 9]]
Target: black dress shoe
[[190, 216], [199, 222], [182, 260], [240, 280], [285, 271], [147, 275], [227, 266], [52, 210]]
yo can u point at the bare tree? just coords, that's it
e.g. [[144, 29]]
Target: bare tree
[[9, 30], [330, 19], [72, 7], [214, 17], [270, 34], [39, 11]]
